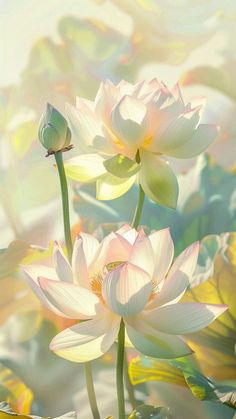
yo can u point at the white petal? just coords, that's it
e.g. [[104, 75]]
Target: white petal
[[112, 187], [126, 289], [106, 97], [184, 318], [62, 266], [129, 122], [152, 343], [85, 168], [83, 123], [172, 290], [177, 133], [31, 274], [113, 248], [203, 136], [158, 180], [79, 264], [186, 262], [73, 301], [88, 340], [142, 254], [90, 246], [128, 233], [163, 248]]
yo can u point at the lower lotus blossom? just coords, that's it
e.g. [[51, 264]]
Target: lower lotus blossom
[[128, 275]]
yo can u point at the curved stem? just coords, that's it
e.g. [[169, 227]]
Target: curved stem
[[119, 371], [65, 203], [139, 208], [91, 391], [69, 247]]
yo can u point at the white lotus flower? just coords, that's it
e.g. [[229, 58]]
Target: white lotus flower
[[127, 276], [126, 134]]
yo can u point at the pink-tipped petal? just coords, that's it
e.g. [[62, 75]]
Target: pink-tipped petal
[[113, 248], [73, 301], [79, 265], [186, 262], [142, 254], [183, 318], [90, 246], [31, 274], [61, 264], [171, 291], [163, 248], [126, 289], [128, 233]]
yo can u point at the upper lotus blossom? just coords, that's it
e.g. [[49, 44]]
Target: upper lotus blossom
[[127, 276], [127, 134]]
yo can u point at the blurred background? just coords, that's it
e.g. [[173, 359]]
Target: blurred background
[[55, 50]]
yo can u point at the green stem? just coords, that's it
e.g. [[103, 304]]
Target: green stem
[[69, 247], [135, 223], [139, 208], [65, 203], [91, 391], [119, 371]]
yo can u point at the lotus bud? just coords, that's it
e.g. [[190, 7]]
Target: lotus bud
[[54, 133]]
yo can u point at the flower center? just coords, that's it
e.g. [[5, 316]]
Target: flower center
[[96, 280]]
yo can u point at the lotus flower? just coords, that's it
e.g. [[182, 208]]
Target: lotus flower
[[126, 134], [127, 276]]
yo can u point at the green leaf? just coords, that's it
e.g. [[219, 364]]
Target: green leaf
[[145, 411], [14, 391], [143, 369], [121, 166], [6, 412]]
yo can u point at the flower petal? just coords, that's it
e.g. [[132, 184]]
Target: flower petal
[[113, 248], [111, 187], [126, 289], [197, 143], [106, 97], [61, 264], [171, 291], [177, 133], [85, 250], [85, 168], [83, 123], [152, 343], [31, 274], [186, 262], [88, 340], [158, 180], [90, 246], [73, 301], [128, 233], [163, 248], [142, 254], [183, 318], [129, 122]]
